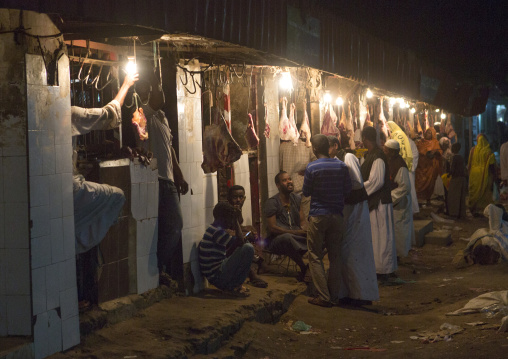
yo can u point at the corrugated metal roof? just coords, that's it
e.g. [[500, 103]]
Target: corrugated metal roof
[[345, 49]]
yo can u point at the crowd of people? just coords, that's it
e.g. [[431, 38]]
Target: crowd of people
[[326, 196], [345, 194]]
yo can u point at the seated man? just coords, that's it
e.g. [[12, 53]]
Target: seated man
[[236, 198], [225, 260], [285, 220]]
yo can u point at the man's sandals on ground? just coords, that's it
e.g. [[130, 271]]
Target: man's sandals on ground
[[258, 282], [240, 292]]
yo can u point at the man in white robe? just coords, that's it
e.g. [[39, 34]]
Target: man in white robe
[[414, 199], [376, 182], [358, 282], [400, 186]]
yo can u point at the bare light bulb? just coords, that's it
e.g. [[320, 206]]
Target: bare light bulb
[[437, 110], [369, 94], [327, 97], [413, 110], [131, 67], [339, 101], [443, 116], [392, 101], [285, 81]]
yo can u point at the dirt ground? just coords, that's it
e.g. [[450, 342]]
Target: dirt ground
[[383, 330]]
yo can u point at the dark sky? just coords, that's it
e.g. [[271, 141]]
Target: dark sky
[[466, 38]]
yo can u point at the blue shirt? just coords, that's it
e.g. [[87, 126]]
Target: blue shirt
[[212, 251], [328, 183]]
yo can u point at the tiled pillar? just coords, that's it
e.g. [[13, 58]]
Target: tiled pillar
[[54, 288], [15, 307], [242, 178], [144, 208], [198, 203], [272, 143]]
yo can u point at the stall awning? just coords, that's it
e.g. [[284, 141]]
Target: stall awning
[[299, 32]]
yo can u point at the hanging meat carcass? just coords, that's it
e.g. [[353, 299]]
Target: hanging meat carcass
[[219, 148], [305, 128], [286, 130], [350, 128], [329, 127], [267, 125], [382, 119], [139, 122], [292, 124], [250, 134]]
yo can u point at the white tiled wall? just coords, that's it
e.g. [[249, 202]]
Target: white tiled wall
[[272, 143], [52, 237], [242, 178], [198, 203], [144, 209], [15, 306]]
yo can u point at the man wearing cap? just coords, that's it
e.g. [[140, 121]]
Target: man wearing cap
[[400, 186], [377, 184], [358, 283]]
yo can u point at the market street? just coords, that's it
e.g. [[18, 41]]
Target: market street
[[184, 327]]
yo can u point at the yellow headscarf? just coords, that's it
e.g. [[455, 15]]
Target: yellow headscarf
[[480, 158], [405, 148]]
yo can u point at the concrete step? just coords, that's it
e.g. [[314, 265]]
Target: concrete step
[[422, 227], [440, 238]]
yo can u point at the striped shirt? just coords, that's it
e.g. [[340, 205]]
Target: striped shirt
[[328, 183], [212, 251]]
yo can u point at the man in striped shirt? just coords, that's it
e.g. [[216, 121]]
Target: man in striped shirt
[[225, 260], [327, 181]]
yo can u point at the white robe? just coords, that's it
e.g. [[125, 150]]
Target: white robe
[[402, 212], [381, 223], [358, 270], [416, 155]]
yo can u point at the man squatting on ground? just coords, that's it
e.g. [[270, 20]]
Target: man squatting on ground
[[225, 260], [236, 198], [327, 181]]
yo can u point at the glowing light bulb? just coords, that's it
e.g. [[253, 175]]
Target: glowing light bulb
[[339, 101], [392, 101], [369, 94], [437, 110], [401, 101], [413, 110], [327, 97], [131, 67], [443, 116], [285, 81]]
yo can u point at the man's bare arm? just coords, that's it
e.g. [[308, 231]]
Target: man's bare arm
[[275, 229]]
